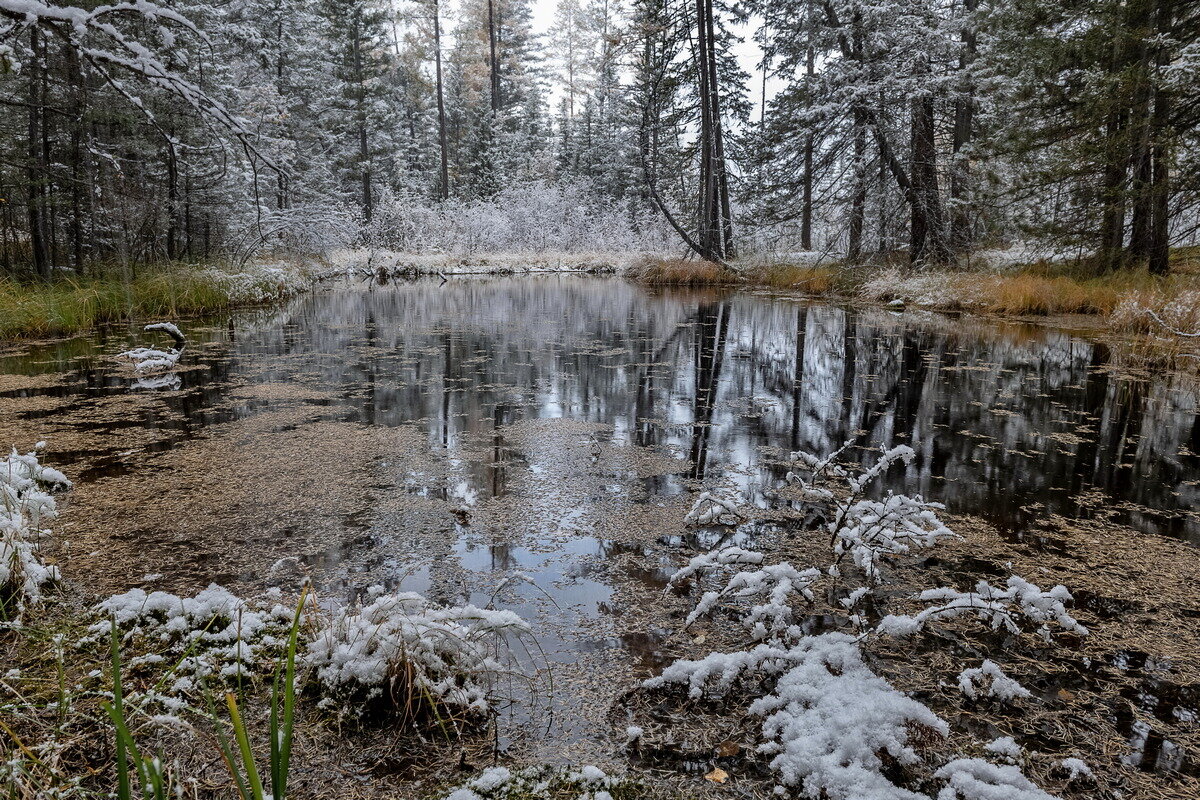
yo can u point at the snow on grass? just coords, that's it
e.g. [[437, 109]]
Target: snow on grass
[[541, 783], [993, 681], [977, 779], [26, 503], [827, 719]]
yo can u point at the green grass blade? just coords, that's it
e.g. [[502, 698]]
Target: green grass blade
[[117, 713], [239, 730]]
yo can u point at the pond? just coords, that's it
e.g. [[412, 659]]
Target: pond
[[534, 442]]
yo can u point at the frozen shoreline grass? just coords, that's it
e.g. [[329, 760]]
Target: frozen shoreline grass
[[71, 304]]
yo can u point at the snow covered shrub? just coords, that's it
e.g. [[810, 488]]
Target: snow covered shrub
[[399, 651], [866, 530], [834, 728], [776, 582], [25, 503], [998, 608], [828, 718], [214, 636], [533, 217], [403, 651]]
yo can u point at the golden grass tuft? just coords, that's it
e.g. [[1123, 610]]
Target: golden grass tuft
[[681, 272], [73, 303], [810, 280], [1027, 294]]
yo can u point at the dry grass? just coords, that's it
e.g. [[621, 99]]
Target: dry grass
[[681, 272], [810, 280], [76, 303]]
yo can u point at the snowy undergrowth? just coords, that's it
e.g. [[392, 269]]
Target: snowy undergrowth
[[543, 782], [26, 503], [831, 726], [397, 651]]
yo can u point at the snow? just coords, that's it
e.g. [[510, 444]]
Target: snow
[[778, 582], [998, 607], [1076, 769], [25, 503], [711, 508], [1004, 746], [448, 653], [976, 779], [444, 652], [998, 684], [827, 719]]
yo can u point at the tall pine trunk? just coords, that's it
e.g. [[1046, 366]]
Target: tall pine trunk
[[35, 168], [443, 146]]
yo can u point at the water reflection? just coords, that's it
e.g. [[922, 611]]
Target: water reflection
[[1012, 422]]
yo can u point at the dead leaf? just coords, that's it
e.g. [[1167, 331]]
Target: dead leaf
[[718, 775], [728, 749], [699, 639]]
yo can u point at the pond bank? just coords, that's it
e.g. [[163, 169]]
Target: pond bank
[[1131, 301], [74, 303]]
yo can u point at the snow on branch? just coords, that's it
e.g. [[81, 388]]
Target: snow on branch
[[997, 607], [714, 559], [777, 582], [98, 37], [710, 508]]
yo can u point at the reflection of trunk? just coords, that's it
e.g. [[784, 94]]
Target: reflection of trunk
[[798, 380], [441, 104], [711, 329]]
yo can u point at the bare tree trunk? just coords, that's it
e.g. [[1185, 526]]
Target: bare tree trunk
[[1160, 157], [35, 172], [441, 103], [494, 59], [927, 243], [806, 210], [858, 202], [964, 119], [364, 150]]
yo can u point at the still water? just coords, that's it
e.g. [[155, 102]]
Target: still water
[[443, 437]]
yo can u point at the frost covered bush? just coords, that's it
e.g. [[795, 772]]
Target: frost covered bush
[[397, 651], [402, 648], [259, 284], [214, 635], [834, 729], [522, 218], [26, 503], [828, 718]]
